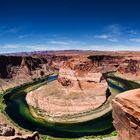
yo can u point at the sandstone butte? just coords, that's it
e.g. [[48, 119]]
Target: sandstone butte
[[80, 88], [126, 115]]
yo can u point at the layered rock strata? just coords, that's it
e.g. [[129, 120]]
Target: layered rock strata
[[126, 114], [16, 70], [79, 89], [81, 75]]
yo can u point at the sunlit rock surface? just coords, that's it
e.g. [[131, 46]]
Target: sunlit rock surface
[[126, 114], [78, 90]]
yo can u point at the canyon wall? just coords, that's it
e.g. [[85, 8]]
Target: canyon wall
[[86, 72], [15, 70]]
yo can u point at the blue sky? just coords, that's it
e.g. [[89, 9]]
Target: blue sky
[[32, 25]]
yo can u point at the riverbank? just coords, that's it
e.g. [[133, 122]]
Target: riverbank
[[16, 97], [57, 105], [18, 107]]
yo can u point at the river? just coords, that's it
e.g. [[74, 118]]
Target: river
[[18, 111]]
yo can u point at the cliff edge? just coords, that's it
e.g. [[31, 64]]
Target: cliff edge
[[126, 115]]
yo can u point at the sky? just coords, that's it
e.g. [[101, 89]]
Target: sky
[[37, 25]]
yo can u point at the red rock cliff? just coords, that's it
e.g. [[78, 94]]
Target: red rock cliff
[[126, 115], [15, 70]]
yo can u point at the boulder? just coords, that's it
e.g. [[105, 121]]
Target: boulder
[[34, 136], [9, 133], [6, 130]]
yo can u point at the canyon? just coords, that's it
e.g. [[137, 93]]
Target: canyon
[[81, 86]]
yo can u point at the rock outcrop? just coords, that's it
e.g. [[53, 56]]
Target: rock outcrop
[[9, 133], [81, 75], [6, 130], [129, 69], [126, 114], [34, 136], [80, 89]]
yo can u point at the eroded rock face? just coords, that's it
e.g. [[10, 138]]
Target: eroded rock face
[[33, 66], [6, 130], [17, 70], [65, 81], [129, 69], [126, 114], [80, 74], [34, 136], [9, 133]]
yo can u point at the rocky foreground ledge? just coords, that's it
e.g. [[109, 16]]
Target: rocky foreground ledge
[[9, 133], [126, 115]]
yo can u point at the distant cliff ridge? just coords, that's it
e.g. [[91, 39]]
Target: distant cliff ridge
[[16, 70], [19, 69]]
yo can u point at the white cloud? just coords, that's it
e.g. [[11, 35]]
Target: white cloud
[[22, 48], [133, 32], [12, 30], [106, 37], [24, 36], [114, 29], [6, 30], [103, 36], [48, 45], [10, 46], [111, 33], [112, 47], [63, 42], [43, 47], [135, 39], [113, 39], [59, 42], [66, 44]]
